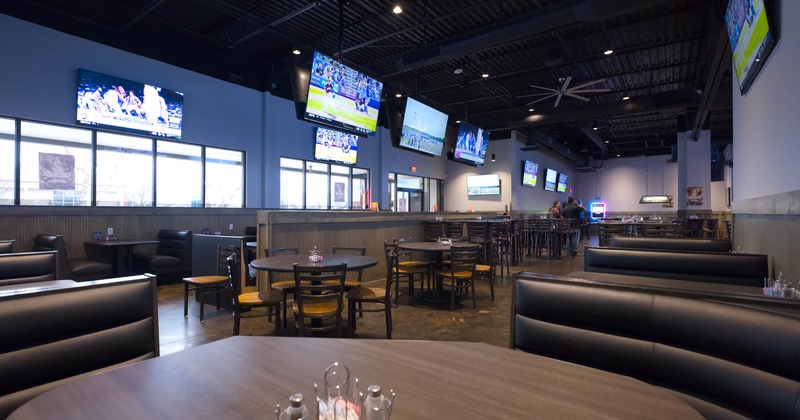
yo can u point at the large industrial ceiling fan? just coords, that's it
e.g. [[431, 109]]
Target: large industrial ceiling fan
[[565, 90]]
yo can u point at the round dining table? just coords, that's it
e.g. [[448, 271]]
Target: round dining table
[[245, 377], [285, 263]]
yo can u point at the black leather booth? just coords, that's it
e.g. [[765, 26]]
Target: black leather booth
[[7, 246], [172, 259], [55, 335], [724, 359], [712, 267], [71, 268], [28, 267], [674, 244]]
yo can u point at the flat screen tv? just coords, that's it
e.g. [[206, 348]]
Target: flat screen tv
[[471, 144], [133, 107], [530, 173], [751, 38], [483, 184], [550, 179], [562, 183], [335, 146], [341, 97], [423, 128]]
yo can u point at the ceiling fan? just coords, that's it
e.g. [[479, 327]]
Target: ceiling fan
[[572, 92]]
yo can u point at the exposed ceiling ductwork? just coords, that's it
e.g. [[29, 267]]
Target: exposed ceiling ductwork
[[532, 23]]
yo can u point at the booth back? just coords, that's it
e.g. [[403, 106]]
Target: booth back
[[28, 267]]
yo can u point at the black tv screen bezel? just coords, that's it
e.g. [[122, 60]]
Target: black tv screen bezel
[[171, 99], [403, 124], [317, 146], [553, 188], [484, 146], [767, 45], [522, 174], [361, 130]]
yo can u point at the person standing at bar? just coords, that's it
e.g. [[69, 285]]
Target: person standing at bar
[[572, 211]]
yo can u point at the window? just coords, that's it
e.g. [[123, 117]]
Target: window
[[178, 175], [7, 158], [316, 185], [224, 178], [412, 193], [55, 163], [291, 183], [340, 187], [124, 170], [66, 166]]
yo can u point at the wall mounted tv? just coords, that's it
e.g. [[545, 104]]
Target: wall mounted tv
[[119, 104], [471, 143], [341, 97], [550, 179], [530, 173], [562, 183], [423, 128], [483, 184], [751, 38], [335, 146]]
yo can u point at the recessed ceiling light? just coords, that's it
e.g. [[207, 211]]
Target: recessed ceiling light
[[594, 128], [398, 95], [485, 74], [606, 142], [757, 60], [608, 51], [397, 9], [530, 109], [618, 155], [458, 121], [625, 98], [458, 70], [296, 51]]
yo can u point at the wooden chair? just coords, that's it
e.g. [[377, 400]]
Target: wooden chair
[[460, 277], [267, 299], [218, 282], [407, 271], [432, 230], [283, 286], [711, 228], [351, 250], [378, 299], [480, 233], [454, 229], [488, 271], [319, 297]]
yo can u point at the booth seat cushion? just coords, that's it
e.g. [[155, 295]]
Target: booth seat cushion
[[733, 358], [28, 267], [82, 268], [711, 267], [677, 244], [158, 262]]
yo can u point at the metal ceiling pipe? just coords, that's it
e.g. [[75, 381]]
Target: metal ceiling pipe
[[595, 138], [531, 23], [535, 137]]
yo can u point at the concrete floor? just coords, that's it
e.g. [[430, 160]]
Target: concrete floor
[[413, 319]]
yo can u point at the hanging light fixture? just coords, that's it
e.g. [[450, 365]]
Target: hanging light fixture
[[493, 155], [647, 198]]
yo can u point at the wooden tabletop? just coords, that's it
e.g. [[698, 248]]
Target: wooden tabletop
[[132, 242], [433, 246], [244, 377], [285, 263]]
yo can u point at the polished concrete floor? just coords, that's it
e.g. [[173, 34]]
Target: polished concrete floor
[[413, 319]]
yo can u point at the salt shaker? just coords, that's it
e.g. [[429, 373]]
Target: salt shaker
[[297, 409], [376, 406]]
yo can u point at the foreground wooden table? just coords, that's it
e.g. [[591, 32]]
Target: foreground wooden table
[[244, 377]]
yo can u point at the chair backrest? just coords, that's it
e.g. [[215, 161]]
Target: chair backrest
[[463, 259], [392, 253], [28, 267], [454, 229], [273, 252], [7, 246], [234, 263], [176, 243], [351, 250], [51, 242], [319, 286]]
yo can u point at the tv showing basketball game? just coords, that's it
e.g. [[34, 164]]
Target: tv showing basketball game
[[335, 146], [423, 128], [119, 104], [550, 179], [471, 144], [530, 173], [562, 183], [341, 97], [751, 38]]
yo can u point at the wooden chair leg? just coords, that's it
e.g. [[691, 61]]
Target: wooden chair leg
[[388, 322]]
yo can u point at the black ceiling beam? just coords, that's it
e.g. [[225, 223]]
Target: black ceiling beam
[[717, 68], [146, 11]]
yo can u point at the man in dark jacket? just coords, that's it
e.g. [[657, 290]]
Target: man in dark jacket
[[573, 212]]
